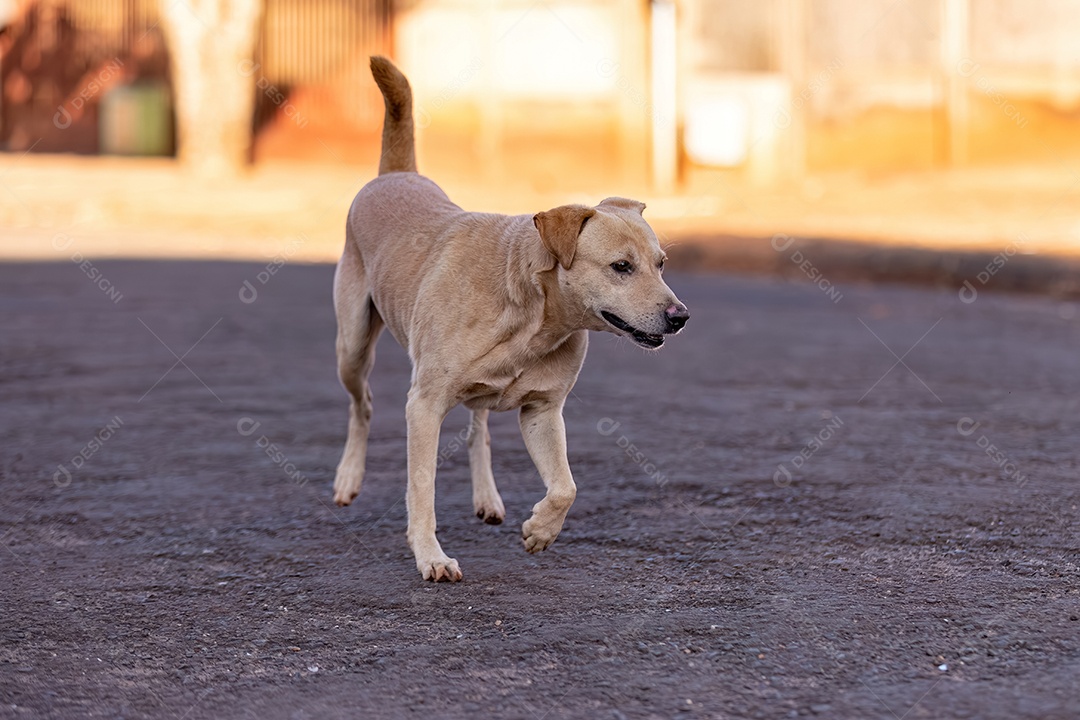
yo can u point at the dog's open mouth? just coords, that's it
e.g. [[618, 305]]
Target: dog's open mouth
[[640, 337]]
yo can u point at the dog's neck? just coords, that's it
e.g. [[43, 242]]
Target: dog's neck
[[533, 282]]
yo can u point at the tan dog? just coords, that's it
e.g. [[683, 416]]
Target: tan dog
[[493, 311]]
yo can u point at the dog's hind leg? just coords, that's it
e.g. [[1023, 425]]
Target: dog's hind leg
[[359, 326], [486, 500], [424, 415]]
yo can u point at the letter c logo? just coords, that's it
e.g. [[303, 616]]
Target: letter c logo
[[62, 118], [248, 293], [62, 477], [782, 476], [247, 68], [966, 426], [966, 67], [778, 238], [606, 426], [246, 426], [968, 293]]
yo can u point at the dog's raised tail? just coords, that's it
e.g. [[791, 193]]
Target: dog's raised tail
[[398, 145]]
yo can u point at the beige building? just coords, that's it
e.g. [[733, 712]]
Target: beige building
[[764, 90], [624, 91]]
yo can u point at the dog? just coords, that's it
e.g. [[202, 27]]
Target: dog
[[494, 312]]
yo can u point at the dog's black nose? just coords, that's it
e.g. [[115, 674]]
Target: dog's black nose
[[676, 316]]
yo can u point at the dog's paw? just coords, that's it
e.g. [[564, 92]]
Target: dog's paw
[[344, 497], [490, 511], [538, 534], [444, 568], [346, 488]]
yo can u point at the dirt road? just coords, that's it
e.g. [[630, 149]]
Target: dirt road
[[797, 530]]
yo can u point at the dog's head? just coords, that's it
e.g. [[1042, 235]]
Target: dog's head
[[609, 266]]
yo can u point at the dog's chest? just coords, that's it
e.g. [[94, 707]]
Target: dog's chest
[[507, 386], [521, 375], [499, 393]]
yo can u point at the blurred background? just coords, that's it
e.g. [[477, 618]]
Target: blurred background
[[238, 128]]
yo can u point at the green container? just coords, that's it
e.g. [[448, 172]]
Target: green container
[[136, 120]]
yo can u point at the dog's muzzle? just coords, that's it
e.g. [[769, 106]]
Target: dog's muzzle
[[639, 336]]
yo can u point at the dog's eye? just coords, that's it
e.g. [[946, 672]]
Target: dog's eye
[[660, 265], [622, 267]]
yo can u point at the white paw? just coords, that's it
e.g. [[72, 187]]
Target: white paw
[[490, 510], [443, 568], [537, 534], [346, 488]]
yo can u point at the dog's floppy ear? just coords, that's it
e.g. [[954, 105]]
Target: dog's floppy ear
[[638, 207], [559, 229]]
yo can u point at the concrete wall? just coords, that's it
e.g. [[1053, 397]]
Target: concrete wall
[[529, 93], [883, 85]]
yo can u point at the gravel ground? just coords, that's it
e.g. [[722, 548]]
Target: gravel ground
[[856, 506]]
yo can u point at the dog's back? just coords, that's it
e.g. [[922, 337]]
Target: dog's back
[[396, 218]]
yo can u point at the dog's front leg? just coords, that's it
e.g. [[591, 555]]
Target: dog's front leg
[[424, 418], [545, 437]]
